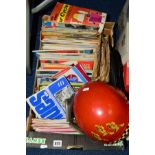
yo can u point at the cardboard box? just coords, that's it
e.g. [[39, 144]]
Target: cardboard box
[[64, 141]]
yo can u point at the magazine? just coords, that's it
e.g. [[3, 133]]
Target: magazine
[[77, 16], [74, 74], [49, 103]]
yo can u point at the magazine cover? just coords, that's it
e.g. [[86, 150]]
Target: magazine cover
[[49, 103], [74, 74], [65, 13]]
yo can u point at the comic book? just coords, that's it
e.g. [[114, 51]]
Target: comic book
[[76, 17], [74, 74], [49, 103]]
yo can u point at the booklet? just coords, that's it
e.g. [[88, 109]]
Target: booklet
[[74, 74], [49, 103]]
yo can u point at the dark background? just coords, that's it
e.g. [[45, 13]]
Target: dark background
[[113, 9]]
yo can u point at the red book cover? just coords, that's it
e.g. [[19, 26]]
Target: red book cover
[[74, 74], [69, 14], [80, 68], [87, 65], [61, 72]]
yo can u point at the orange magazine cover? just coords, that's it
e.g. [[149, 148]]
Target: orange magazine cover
[[68, 14]]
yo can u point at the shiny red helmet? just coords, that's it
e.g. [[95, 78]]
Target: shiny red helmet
[[101, 111]]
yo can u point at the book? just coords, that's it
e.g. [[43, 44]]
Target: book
[[41, 81], [75, 85], [49, 64], [77, 16], [49, 103], [63, 51], [74, 74]]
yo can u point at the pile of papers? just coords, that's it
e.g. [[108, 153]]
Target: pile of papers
[[54, 126]]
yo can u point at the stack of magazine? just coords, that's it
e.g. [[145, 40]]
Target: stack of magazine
[[71, 27], [69, 38], [54, 126]]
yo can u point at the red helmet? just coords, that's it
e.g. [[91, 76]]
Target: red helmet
[[101, 111]]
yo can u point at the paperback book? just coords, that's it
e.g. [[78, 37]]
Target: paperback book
[[77, 16], [49, 103], [74, 74]]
